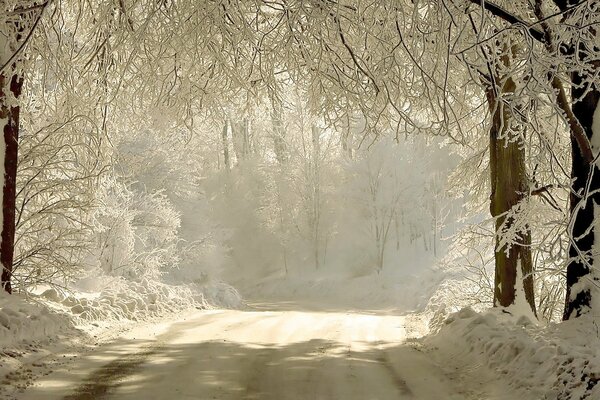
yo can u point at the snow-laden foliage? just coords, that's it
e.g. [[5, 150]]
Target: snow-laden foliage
[[136, 232]]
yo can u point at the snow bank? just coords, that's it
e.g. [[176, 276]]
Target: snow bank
[[22, 319], [554, 362], [123, 299], [30, 326], [43, 317]]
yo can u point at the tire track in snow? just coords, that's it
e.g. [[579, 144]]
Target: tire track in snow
[[101, 382], [105, 379], [399, 382]]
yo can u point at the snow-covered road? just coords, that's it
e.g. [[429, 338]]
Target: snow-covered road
[[261, 354]]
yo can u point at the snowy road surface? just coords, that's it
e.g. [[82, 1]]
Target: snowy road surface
[[260, 354]]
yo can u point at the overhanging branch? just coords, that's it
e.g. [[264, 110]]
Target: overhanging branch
[[510, 18]]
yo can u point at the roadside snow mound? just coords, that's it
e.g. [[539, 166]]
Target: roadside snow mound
[[554, 362], [95, 305], [220, 294], [138, 300], [21, 319]]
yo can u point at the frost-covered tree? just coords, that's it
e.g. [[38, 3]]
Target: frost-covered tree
[[561, 38], [552, 68]]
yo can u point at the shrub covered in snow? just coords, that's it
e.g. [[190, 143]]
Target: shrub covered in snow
[[122, 299]]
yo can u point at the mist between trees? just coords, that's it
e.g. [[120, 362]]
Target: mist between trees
[[189, 139]]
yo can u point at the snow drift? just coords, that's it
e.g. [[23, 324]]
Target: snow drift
[[553, 362]]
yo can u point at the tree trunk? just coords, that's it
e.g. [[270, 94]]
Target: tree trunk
[[316, 192], [240, 138], [585, 191], [347, 136], [225, 142], [584, 209], [509, 186], [279, 145], [11, 84]]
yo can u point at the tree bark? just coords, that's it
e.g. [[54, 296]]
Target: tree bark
[[582, 253], [11, 85], [579, 111], [509, 186], [585, 191]]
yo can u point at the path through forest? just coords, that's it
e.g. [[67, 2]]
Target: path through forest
[[267, 353]]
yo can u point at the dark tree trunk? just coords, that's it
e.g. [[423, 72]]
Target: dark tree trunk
[[581, 247], [585, 175], [509, 186], [9, 115]]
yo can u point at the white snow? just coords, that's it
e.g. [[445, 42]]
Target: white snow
[[119, 299], [38, 327], [400, 291], [23, 319], [520, 306], [135, 235], [274, 354], [292, 349], [559, 361]]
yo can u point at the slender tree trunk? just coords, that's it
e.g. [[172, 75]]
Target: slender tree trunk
[[509, 186], [316, 192], [225, 143], [246, 143], [279, 145], [11, 84], [347, 137]]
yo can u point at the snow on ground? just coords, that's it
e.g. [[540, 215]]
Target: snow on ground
[[398, 292], [536, 361], [357, 338], [27, 325], [554, 362], [35, 327], [265, 354], [25, 318]]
